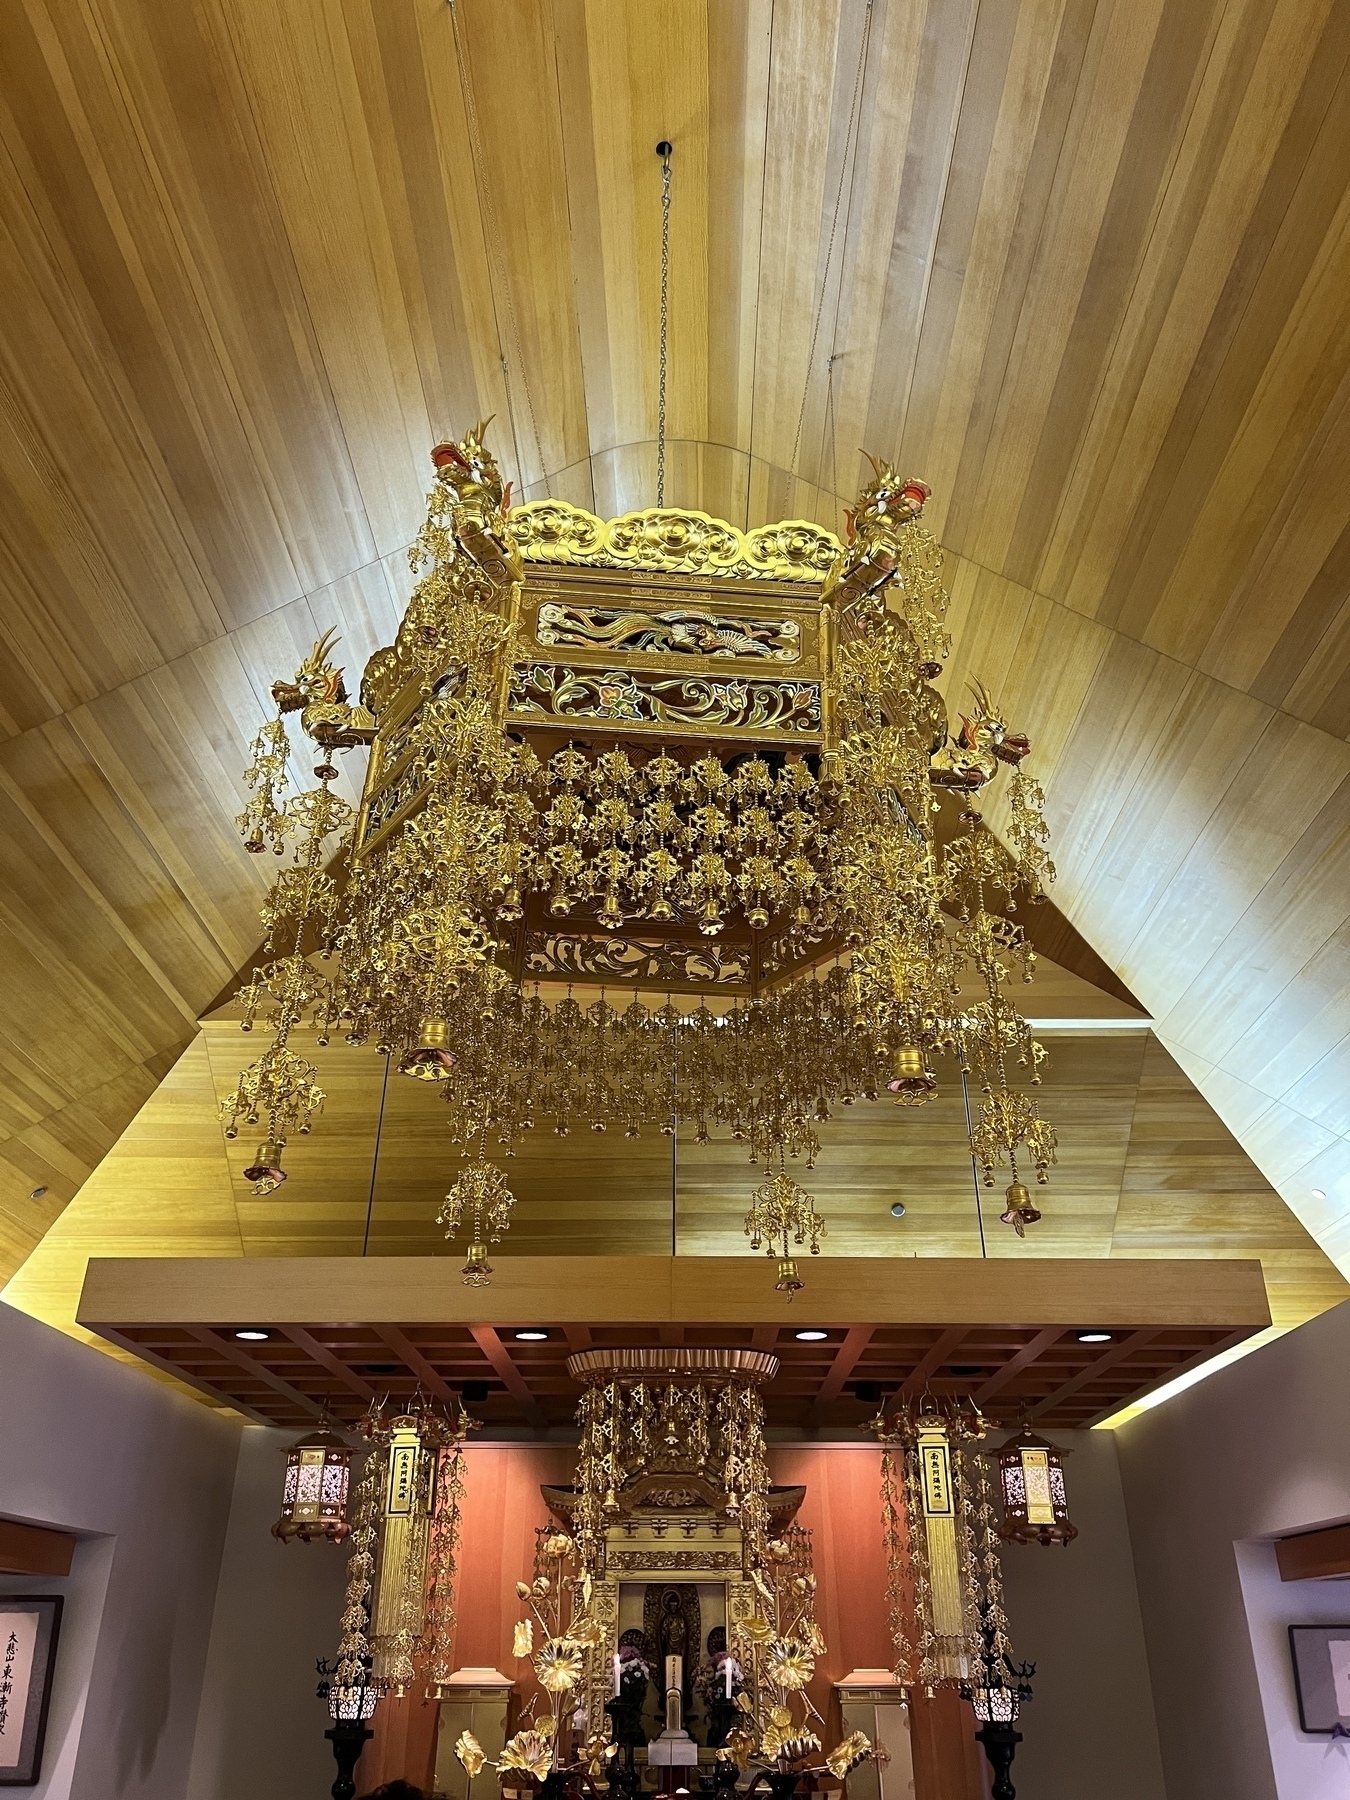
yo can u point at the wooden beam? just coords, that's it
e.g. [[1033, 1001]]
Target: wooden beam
[[856, 1340], [34, 1550], [1116, 1292], [206, 1388], [500, 1358], [1314, 1555], [1098, 1366], [236, 1353], [1170, 1373], [578, 1337], [671, 1336], [941, 1350], [1023, 1360], [764, 1337], [402, 1345], [307, 1342]]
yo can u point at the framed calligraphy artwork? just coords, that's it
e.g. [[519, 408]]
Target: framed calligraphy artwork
[[1321, 1657], [29, 1626]]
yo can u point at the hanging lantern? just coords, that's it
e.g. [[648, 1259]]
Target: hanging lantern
[[1031, 1479], [314, 1499], [352, 1705]]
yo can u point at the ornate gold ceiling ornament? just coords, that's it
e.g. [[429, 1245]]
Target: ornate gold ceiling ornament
[[944, 1593], [684, 818], [398, 1618], [674, 542]]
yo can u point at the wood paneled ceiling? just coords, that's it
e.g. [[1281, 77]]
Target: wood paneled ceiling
[[1083, 265]]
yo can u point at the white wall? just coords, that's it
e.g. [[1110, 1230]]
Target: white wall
[[1307, 1766], [143, 1476], [1258, 1451], [260, 1731], [1075, 1613]]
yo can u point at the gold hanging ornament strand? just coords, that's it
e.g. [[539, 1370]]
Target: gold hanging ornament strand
[[664, 150]]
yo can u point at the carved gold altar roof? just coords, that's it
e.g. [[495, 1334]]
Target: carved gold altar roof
[[673, 541]]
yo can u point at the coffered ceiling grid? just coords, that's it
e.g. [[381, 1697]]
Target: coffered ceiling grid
[[1089, 279]]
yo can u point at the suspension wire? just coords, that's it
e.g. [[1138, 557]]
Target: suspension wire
[[498, 276], [974, 1171], [375, 1159], [663, 150], [846, 166]]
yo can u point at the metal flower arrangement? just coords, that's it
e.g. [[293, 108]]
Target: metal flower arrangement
[[779, 1647], [727, 799], [557, 1740]]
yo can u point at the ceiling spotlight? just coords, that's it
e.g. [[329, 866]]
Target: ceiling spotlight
[[1095, 1337], [532, 1334], [38, 1192], [812, 1336], [1317, 1193], [253, 1334], [898, 1210]]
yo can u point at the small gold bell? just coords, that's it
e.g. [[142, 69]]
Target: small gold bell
[[911, 1079], [789, 1281], [476, 1268], [265, 1171], [433, 1058]]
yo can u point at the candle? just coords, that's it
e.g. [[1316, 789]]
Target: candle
[[617, 1683], [726, 1669]]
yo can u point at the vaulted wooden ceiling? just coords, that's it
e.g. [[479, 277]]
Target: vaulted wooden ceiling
[[1083, 265]]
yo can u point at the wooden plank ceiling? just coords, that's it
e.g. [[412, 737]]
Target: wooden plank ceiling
[[1084, 264]]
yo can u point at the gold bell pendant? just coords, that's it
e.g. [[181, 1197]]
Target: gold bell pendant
[[265, 1171], [477, 1269], [911, 1081], [432, 1059], [789, 1280]]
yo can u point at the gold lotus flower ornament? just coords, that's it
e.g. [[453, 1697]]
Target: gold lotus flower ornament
[[586, 1632], [529, 1751], [470, 1753], [790, 1664], [597, 1751], [812, 1636], [786, 1745], [558, 1665], [559, 1544], [845, 1757], [522, 1644], [737, 1747]]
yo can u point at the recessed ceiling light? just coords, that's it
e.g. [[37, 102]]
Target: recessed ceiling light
[[810, 1337], [1095, 1337], [533, 1334], [898, 1210], [253, 1334], [1317, 1193], [37, 1193]]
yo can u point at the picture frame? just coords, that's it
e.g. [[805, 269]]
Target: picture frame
[[1321, 1658], [30, 1625]]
